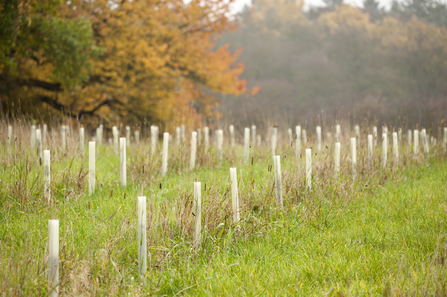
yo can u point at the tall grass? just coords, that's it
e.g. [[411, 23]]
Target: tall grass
[[98, 233]]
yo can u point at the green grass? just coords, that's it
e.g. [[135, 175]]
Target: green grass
[[385, 234]]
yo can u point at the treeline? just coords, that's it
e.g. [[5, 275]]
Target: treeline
[[134, 62], [338, 61]]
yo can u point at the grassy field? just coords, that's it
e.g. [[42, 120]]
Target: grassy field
[[382, 234]]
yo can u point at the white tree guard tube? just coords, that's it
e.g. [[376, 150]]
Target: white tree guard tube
[[197, 209], [234, 195], [416, 143], [354, 157], [246, 145], [370, 150], [298, 140], [232, 141], [164, 158], [278, 181], [253, 135], [123, 165], [395, 148], [81, 139], [142, 236], [47, 174], [219, 144], [53, 257], [384, 149], [192, 160], [318, 138], [337, 160], [309, 169], [91, 167]]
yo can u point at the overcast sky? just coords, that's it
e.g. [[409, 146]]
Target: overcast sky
[[239, 4]]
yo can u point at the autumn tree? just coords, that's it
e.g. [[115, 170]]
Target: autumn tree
[[340, 61], [154, 60]]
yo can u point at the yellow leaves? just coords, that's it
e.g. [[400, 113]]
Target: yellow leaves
[[345, 16], [278, 12], [156, 58], [413, 35]]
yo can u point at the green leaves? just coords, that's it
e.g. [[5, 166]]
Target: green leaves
[[66, 44]]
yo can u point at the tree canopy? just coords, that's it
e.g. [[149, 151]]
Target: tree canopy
[[338, 60], [117, 60]]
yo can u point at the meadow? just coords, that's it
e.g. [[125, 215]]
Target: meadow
[[380, 232]]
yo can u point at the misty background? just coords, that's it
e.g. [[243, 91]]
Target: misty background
[[338, 61]]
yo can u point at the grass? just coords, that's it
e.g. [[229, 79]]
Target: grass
[[384, 234], [389, 242]]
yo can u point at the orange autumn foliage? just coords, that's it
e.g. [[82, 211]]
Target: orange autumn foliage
[[157, 59]]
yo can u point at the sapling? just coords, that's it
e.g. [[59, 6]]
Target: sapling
[[337, 133], [385, 130], [384, 149], [115, 135], [395, 148], [375, 136], [370, 150], [153, 139], [409, 137], [9, 134], [142, 240], [44, 135], [304, 136], [197, 212], [416, 143], [91, 167], [137, 137], [64, 137], [337, 160], [274, 136], [192, 160], [39, 145], [278, 184], [424, 141], [357, 134], [232, 141], [81, 139], [183, 132], [318, 138], [253, 135], [354, 157], [164, 158], [97, 135], [309, 169], [298, 140], [101, 133], [46, 174], [33, 137], [178, 139], [234, 195], [127, 135], [206, 136], [246, 144], [199, 137], [123, 174], [290, 134], [53, 257], [219, 144], [444, 144]]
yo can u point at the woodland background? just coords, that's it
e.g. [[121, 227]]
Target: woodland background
[[166, 62]]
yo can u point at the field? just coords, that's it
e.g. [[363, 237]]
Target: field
[[380, 233]]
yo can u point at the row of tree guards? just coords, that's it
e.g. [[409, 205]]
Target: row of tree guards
[[120, 143]]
